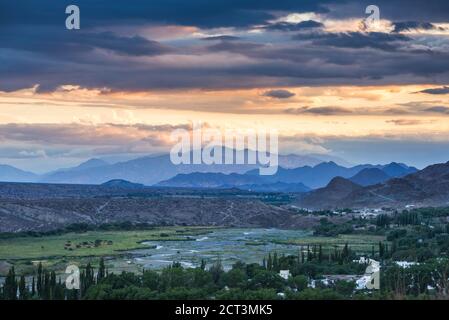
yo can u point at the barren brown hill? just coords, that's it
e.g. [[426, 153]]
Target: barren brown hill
[[326, 197], [428, 187], [52, 214]]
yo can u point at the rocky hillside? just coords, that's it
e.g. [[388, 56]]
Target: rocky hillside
[[52, 214], [428, 187]]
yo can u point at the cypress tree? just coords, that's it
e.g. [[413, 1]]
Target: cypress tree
[[275, 262], [101, 270], [270, 262], [52, 286], [46, 286], [39, 280], [381, 250], [23, 294], [10, 286]]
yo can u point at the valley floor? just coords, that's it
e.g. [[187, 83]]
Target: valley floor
[[158, 247]]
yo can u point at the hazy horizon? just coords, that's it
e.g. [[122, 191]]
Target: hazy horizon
[[124, 158]]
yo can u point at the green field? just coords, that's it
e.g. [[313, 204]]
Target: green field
[[57, 251], [359, 243], [90, 244]]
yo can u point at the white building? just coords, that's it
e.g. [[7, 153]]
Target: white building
[[371, 279], [285, 274]]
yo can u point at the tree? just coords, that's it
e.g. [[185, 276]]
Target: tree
[[151, 280], [235, 278], [267, 279], [381, 250], [87, 278], [309, 254], [345, 288], [275, 262], [101, 270], [39, 280], [345, 254], [203, 264], [52, 285], [269, 262], [10, 286], [23, 293], [300, 282], [216, 270]]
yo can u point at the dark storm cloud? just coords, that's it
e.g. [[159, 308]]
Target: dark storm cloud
[[286, 26], [410, 25], [60, 43], [436, 91], [279, 94], [221, 38], [135, 46], [241, 47], [201, 13], [269, 66], [36, 49], [206, 13], [356, 40], [397, 10]]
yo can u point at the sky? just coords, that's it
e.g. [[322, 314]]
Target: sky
[[328, 80]]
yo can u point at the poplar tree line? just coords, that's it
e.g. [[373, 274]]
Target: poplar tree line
[[45, 286]]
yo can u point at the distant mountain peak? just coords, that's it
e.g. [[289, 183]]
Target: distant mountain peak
[[340, 182], [428, 187], [396, 170], [92, 163], [327, 164], [122, 184], [12, 174], [326, 197], [370, 176]]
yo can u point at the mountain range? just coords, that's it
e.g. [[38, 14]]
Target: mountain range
[[427, 187], [147, 170], [12, 174], [295, 174], [300, 179]]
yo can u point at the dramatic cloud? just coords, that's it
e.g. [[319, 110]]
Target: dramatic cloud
[[356, 40], [249, 46], [325, 111], [407, 122], [217, 56], [279, 94], [221, 38], [412, 25], [89, 135], [207, 14], [437, 91], [438, 109], [286, 26]]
